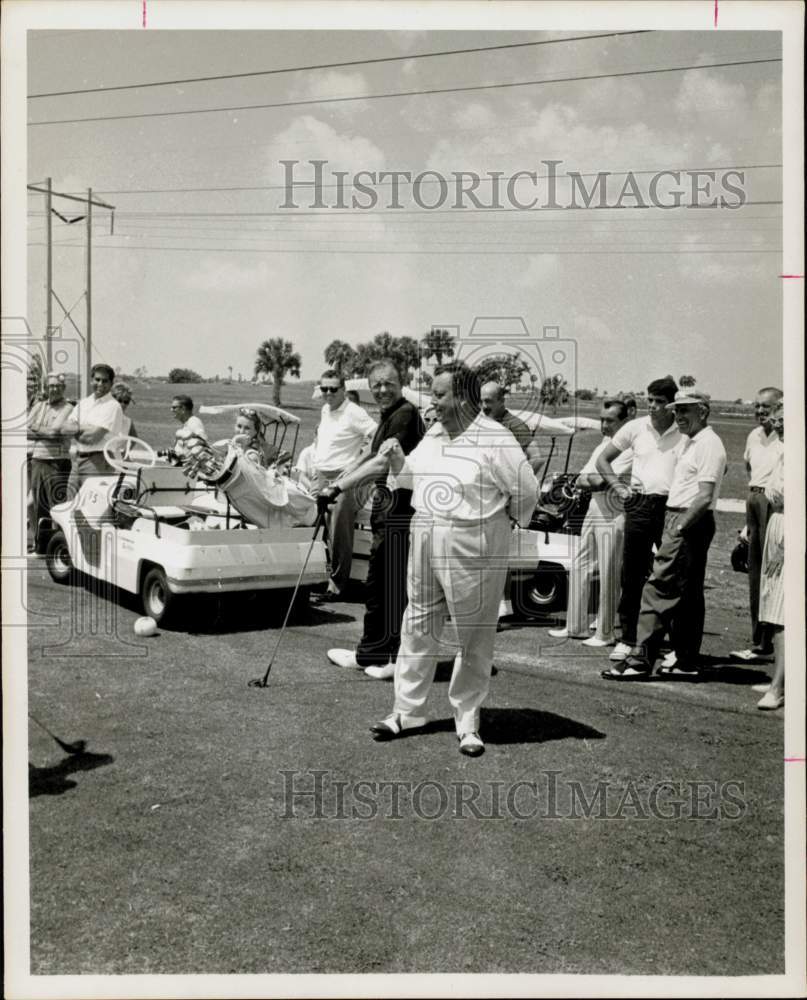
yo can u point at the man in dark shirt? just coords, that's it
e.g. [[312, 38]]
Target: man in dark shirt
[[493, 406], [391, 513]]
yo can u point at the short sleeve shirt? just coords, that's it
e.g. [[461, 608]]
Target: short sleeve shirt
[[401, 421], [517, 428], [340, 436], [654, 454], [763, 453], [46, 417], [104, 412], [621, 464], [701, 459]]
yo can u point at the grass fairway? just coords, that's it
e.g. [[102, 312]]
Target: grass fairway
[[211, 827]]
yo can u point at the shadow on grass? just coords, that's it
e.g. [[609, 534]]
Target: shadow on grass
[[54, 780], [523, 725], [715, 669]]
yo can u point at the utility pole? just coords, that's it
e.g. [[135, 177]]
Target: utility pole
[[49, 272], [50, 294], [88, 351]]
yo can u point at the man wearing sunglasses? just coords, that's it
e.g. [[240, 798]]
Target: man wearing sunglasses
[[344, 432]]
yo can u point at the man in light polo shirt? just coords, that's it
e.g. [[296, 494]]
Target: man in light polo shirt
[[653, 440], [345, 431], [95, 420], [50, 459], [763, 451], [672, 599], [599, 547]]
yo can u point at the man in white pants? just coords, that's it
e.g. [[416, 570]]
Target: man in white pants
[[469, 478], [599, 547]]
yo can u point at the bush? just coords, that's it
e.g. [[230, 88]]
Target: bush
[[184, 375], [584, 393]]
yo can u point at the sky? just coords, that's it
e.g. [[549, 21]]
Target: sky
[[199, 278]]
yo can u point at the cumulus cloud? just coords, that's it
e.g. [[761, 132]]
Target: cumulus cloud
[[333, 83]]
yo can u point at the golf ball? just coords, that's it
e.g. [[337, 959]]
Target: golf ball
[[145, 627]]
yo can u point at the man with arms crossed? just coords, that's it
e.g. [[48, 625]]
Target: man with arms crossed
[[763, 451], [50, 459], [653, 440], [600, 543], [672, 599], [392, 511], [344, 431], [95, 420], [469, 478]]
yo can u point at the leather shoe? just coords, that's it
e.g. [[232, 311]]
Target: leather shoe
[[471, 745], [343, 658], [396, 725]]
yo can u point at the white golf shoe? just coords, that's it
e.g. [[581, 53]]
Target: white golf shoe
[[344, 658]]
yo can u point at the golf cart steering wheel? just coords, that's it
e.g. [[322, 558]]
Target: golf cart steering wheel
[[123, 445]]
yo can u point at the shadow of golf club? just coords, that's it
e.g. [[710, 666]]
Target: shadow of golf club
[[523, 725], [54, 780]]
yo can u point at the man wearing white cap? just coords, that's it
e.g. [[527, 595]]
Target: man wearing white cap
[[672, 598], [50, 458], [469, 477]]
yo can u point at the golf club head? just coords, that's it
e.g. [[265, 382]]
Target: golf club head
[[74, 748], [258, 682]]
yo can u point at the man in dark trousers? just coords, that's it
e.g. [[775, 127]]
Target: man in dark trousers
[[391, 514], [673, 598]]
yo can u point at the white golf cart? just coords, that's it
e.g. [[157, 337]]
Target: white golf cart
[[148, 530]]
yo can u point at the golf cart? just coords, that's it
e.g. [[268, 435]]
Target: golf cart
[[149, 530]]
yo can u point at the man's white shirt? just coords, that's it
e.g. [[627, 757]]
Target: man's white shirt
[[621, 464], [105, 412], [472, 477], [654, 454], [701, 459], [763, 453], [341, 435]]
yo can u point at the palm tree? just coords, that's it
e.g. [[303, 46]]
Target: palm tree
[[555, 391], [687, 381], [277, 357], [340, 356], [438, 344]]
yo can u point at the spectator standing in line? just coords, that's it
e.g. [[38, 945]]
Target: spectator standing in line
[[391, 514], [469, 477], [653, 440], [123, 394], [345, 430], [763, 452], [673, 599], [772, 582], [190, 426], [95, 420], [50, 459], [599, 547]]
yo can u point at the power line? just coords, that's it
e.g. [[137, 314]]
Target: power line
[[376, 251], [409, 93], [337, 65], [424, 213], [484, 180]]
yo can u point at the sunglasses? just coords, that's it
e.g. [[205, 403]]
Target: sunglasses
[[245, 411], [330, 388]]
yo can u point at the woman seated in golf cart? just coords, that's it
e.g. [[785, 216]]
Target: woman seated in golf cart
[[250, 439], [251, 470]]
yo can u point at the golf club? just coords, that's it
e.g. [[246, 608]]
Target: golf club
[[74, 748], [261, 682]]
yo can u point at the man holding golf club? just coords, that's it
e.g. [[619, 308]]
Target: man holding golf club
[[468, 477], [391, 514]]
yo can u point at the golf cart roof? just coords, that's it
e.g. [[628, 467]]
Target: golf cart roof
[[269, 414], [362, 387]]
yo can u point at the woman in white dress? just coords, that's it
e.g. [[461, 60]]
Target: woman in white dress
[[772, 585]]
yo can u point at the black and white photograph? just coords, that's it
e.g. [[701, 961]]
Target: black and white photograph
[[399, 407]]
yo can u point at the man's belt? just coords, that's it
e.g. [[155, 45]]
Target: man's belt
[[756, 489]]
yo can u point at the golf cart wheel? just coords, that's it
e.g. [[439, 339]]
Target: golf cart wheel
[[542, 593], [158, 601], [57, 556]]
